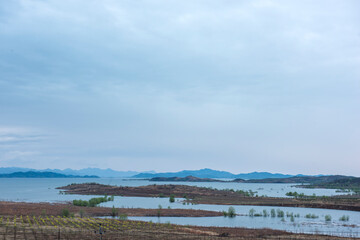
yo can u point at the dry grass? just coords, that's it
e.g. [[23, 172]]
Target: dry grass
[[51, 227]]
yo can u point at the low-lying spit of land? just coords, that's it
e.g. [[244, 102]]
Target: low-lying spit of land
[[202, 195], [56, 227], [59, 209]]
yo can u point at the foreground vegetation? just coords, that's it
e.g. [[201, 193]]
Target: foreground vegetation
[[56, 227]]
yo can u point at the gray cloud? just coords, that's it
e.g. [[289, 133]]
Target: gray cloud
[[259, 85]]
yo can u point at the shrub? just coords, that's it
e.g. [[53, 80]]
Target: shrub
[[43, 212], [123, 217], [225, 213], [272, 212], [93, 201], [65, 212], [280, 213], [172, 198], [311, 216], [265, 213], [114, 212], [251, 212], [344, 218], [231, 212], [327, 218]]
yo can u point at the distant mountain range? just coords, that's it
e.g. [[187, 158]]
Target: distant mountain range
[[110, 173], [82, 172], [32, 174], [209, 173], [338, 179]]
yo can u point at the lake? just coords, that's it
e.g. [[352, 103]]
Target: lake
[[44, 190]]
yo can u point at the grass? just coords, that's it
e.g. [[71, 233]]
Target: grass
[[231, 213]]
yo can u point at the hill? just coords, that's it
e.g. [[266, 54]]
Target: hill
[[81, 172], [298, 179], [345, 183], [209, 173], [32, 174], [184, 179]]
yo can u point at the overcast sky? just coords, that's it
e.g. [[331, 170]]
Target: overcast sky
[[165, 85]]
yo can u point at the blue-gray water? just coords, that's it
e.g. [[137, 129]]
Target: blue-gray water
[[39, 189], [44, 190]]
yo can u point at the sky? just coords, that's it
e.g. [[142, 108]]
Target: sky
[[167, 85]]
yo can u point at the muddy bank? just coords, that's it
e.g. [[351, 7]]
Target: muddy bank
[[21, 208], [201, 195]]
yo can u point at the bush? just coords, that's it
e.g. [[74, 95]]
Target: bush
[[231, 212], [272, 212], [251, 212], [265, 213], [280, 213], [172, 198], [225, 213], [327, 218], [65, 212], [344, 218], [93, 201], [311, 216], [123, 217], [114, 212]]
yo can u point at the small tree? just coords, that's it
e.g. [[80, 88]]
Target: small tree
[[251, 212], [172, 198], [114, 212], [231, 212], [273, 214], [265, 213]]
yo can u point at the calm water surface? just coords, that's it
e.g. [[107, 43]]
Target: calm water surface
[[44, 190], [39, 189]]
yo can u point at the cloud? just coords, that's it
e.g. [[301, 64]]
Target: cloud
[[18, 135], [171, 83]]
